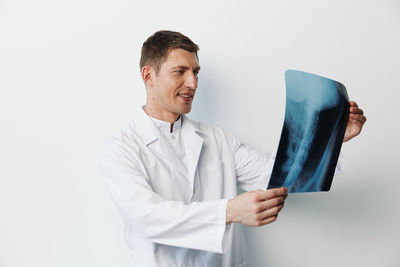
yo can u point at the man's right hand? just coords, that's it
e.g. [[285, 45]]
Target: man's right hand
[[256, 208]]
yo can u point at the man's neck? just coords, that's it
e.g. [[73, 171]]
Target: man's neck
[[163, 116]]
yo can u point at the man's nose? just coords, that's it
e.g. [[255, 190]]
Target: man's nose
[[191, 80]]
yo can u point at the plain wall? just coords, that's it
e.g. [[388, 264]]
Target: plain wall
[[69, 78]]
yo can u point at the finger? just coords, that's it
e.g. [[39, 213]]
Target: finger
[[269, 220], [271, 212], [355, 110], [270, 203], [358, 117], [353, 104], [273, 193], [268, 214]]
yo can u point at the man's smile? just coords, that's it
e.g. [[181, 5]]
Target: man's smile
[[186, 96]]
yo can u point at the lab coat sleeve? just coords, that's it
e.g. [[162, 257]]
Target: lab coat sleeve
[[253, 168], [198, 225]]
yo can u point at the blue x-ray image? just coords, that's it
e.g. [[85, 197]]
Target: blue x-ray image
[[316, 115]]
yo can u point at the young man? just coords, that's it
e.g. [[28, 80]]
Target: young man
[[175, 181]]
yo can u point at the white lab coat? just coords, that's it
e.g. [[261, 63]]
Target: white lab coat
[[176, 220]]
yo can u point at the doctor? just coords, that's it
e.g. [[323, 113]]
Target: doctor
[[175, 180]]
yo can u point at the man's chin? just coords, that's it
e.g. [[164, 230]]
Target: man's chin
[[185, 110]]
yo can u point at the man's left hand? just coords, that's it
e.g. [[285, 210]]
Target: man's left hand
[[355, 123]]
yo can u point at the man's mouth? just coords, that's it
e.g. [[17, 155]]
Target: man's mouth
[[186, 96]]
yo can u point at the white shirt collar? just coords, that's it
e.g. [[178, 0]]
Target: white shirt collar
[[165, 126], [148, 130]]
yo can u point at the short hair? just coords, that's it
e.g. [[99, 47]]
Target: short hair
[[156, 48]]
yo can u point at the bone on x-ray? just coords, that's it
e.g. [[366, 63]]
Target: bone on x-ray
[[316, 115]]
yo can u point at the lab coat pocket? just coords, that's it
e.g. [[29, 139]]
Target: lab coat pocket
[[210, 180]]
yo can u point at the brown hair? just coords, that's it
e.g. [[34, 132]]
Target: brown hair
[[155, 49]]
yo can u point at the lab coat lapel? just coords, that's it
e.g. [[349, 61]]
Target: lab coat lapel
[[193, 142], [148, 132], [155, 140], [193, 145]]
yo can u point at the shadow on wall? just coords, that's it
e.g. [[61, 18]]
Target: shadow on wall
[[212, 102]]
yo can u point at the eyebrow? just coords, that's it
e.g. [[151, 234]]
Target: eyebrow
[[185, 68]]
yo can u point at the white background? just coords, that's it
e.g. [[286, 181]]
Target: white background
[[69, 78]]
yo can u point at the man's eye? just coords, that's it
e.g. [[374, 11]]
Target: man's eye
[[180, 72]]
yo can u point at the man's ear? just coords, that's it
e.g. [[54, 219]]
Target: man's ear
[[147, 75]]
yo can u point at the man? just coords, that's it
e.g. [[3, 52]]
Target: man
[[175, 181]]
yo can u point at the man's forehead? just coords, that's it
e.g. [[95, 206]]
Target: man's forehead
[[180, 57]]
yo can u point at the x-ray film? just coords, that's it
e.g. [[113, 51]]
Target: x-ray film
[[316, 115]]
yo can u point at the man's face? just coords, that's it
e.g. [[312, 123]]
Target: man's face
[[174, 86]]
